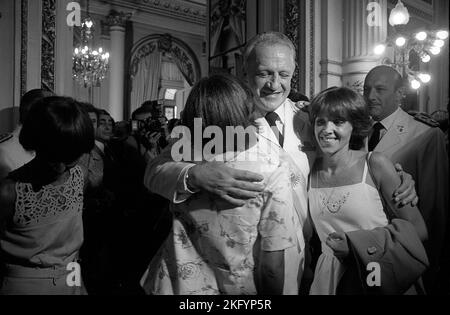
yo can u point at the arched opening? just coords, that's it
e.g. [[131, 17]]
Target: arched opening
[[161, 66]]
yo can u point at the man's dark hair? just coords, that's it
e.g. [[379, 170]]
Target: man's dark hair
[[28, 99]]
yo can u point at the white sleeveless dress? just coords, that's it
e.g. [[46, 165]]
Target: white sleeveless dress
[[341, 209]]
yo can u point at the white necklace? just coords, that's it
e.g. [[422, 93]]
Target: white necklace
[[333, 205]]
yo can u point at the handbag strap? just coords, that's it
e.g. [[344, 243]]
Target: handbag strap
[[387, 208]]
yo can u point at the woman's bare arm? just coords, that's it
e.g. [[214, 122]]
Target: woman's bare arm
[[387, 179]]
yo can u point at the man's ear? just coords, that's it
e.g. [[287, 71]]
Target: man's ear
[[400, 94]]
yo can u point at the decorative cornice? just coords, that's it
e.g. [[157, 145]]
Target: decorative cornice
[[116, 18], [48, 45], [176, 9]]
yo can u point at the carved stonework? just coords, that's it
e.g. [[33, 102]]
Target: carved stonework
[[118, 18], [184, 10], [292, 31], [48, 45], [312, 58], [143, 52], [174, 49], [23, 46]]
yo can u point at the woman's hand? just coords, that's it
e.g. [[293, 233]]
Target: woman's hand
[[338, 243]]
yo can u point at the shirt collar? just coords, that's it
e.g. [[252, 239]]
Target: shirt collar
[[389, 120], [281, 111], [100, 145]]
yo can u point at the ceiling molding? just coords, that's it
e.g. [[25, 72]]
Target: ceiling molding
[[182, 10]]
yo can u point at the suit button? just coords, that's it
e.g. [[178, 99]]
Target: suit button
[[371, 250]]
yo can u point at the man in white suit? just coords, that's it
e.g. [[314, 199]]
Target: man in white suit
[[269, 64], [419, 146]]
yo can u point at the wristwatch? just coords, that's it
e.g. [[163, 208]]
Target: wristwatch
[[186, 181]]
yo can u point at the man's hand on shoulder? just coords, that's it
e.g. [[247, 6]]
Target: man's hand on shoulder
[[406, 193], [232, 185]]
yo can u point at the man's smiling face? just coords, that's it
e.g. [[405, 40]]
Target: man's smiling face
[[269, 74]]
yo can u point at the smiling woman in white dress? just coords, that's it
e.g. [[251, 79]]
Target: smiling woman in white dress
[[343, 196]]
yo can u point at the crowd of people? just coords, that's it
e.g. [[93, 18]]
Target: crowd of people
[[314, 194]]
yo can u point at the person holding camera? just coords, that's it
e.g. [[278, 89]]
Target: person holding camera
[[148, 130]]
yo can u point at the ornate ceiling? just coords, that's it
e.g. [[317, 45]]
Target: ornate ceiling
[[193, 11]]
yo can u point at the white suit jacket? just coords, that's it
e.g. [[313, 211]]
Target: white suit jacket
[[13, 155], [421, 151]]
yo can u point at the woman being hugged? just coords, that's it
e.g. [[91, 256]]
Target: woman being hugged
[[215, 247], [346, 183], [41, 202]]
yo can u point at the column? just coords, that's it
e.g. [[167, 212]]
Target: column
[[331, 31], [116, 21], [64, 48], [103, 100], [365, 25]]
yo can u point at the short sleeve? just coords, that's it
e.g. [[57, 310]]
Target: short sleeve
[[277, 227]]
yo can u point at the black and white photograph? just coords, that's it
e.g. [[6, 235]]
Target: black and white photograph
[[226, 153]]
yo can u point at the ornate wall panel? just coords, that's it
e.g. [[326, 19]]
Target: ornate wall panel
[[23, 46], [48, 44], [292, 30]]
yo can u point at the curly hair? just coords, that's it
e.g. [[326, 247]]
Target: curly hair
[[347, 104]]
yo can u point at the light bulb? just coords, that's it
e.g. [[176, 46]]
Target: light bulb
[[95, 53], [439, 43], [76, 51], [379, 49], [401, 41], [426, 58], [424, 77], [88, 23], [435, 50], [107, 55], [100, 50], [415, 84], [442, 34], [421, 36]]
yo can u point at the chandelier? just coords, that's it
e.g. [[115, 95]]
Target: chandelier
[[411, 48], [89, 65]]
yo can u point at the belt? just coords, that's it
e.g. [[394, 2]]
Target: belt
[[16, 271]]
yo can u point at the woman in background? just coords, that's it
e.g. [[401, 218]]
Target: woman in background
[[41, 203]]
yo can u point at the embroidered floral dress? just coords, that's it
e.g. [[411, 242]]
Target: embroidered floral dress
[[341, 209], [211, 247]]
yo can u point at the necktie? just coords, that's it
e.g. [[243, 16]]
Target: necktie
[[375, 138], [271, 118]]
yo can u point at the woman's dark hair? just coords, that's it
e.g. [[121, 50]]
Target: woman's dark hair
[[89, 108], [172, 124], [346, 104], [220, 100], [59, 129]]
